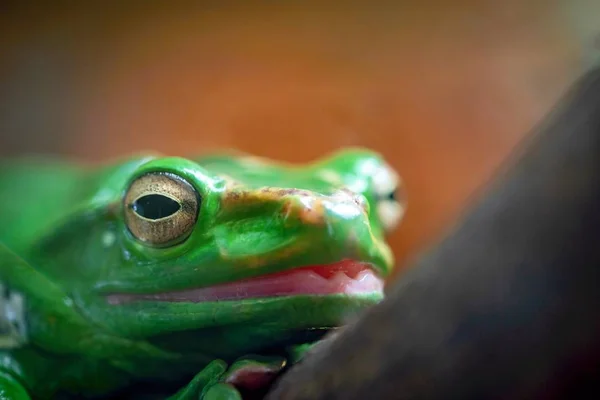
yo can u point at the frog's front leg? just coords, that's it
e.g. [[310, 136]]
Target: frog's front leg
[[11, 388], [246, 375], [206, 378]]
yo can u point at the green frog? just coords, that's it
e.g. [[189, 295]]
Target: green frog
[[207, 275]]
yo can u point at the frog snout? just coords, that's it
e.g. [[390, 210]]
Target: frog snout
[[316, 209], [335, 225], [340, 222], [358, 198], [302, 206], [352, 202]]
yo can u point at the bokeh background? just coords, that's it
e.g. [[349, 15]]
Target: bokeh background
[[444, 89]]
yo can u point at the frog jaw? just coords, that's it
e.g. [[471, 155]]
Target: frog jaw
[[346, 277], [280, 309]]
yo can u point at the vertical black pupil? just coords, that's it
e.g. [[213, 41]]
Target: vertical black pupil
[[155, 206], [392, 196]]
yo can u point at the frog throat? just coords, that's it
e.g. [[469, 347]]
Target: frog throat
[[13, 327]]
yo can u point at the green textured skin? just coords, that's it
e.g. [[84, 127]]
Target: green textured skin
[[64, 245]]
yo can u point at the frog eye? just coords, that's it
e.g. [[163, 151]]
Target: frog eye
[[390, 201], [161, 209]]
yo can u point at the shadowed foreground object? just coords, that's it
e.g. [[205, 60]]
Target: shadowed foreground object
[[507, 306]]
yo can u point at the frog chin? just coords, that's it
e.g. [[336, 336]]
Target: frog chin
[[346, 277]]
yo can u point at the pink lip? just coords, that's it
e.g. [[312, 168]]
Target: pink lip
[[344, 277]]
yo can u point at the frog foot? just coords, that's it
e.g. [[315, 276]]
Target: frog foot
[[254, 373], [247, 377]]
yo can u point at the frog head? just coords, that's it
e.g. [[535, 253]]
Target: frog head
[[229, 254]]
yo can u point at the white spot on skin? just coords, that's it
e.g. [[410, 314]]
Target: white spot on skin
[[343, 204], [346, 210], [251, 162], [369, 167], [108, 239], [385, 181], [311, 212], [390, 213], [307, 202], [331, 177], [358, 186]]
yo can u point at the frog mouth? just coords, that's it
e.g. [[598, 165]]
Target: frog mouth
[[346, 277]]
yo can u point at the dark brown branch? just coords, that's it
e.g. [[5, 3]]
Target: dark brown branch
[[508, 306]]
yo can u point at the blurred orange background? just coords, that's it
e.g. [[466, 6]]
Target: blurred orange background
[[443, 89]]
